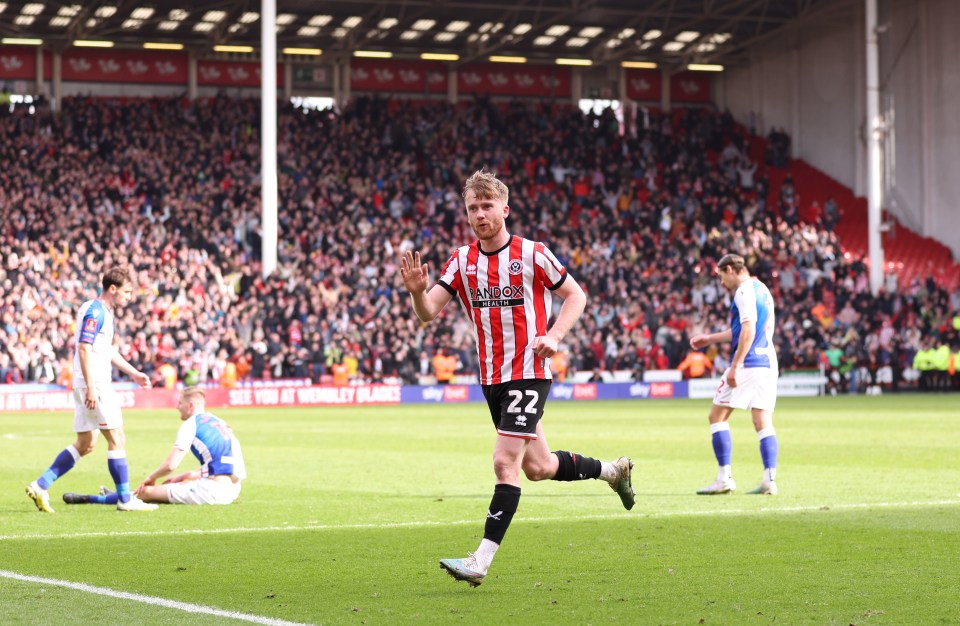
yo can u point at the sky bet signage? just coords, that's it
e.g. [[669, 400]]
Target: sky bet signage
[[446, 393], [617, 391], [436, 394], [652, 390]]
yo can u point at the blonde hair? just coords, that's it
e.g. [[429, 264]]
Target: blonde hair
[[191, 392], [486, 185]]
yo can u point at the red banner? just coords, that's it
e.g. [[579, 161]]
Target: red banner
[[690, 87], [499, 79], [398, 76], [644, 84], [125, 66], [322, 395], [325, 395], [232, 73], [16, 402], [17, 62]]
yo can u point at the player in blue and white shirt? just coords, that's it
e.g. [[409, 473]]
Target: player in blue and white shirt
[[751, 380], [213, 443], [97, 406]]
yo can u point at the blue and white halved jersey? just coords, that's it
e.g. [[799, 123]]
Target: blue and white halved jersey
[[753, 302], [94, 327], [210, 439]]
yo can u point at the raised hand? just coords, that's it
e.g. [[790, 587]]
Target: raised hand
[[415, 274]]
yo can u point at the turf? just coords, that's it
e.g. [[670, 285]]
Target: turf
[[348, 510]]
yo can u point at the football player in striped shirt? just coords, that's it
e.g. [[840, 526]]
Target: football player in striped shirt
[[505, 285]]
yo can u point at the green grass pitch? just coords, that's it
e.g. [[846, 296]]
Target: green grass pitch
[[347, 511]]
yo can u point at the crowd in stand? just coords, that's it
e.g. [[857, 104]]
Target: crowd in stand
[[778, 149], [639, 217]]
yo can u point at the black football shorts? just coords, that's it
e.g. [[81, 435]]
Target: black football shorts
[[517, 406]]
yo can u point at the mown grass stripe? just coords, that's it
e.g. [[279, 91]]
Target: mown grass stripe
[[136, 597]]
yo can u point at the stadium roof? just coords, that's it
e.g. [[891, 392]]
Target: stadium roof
[[663, 31]]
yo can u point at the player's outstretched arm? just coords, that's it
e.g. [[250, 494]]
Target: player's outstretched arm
[[416, 278], [136, 375], [169, 465], [702, 341], [185, 476]]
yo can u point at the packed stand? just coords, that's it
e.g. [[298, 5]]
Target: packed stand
[[172, 188]]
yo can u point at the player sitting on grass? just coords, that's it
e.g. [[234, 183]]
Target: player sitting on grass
[[210, 439]]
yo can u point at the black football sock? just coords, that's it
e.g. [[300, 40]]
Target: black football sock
[[576, 467], [504, 504]]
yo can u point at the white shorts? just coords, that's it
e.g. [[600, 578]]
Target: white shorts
[[203, 491], [106, 416], [756, 389]]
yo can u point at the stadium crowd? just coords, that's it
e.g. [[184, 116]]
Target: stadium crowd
[[173, 189]]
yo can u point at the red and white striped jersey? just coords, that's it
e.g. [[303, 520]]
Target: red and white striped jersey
[[507, 295]]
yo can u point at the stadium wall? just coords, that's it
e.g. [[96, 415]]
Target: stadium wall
[[811, 83], [920, 86]]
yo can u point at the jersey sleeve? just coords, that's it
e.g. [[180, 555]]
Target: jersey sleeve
[[450, 276], [746, 301], [547, 268], [91, 323], [188, 430]]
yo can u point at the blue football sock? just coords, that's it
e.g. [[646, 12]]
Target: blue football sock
[[110, 498], [722, 443], [768, 452], [61, 465], [117, 464]]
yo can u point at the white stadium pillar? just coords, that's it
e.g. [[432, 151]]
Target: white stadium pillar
[[268, 135], [192, 77], [874, 138], [452, 86], [41, 88], [57, 79], [287, 80], [664, 90], [345, 71]]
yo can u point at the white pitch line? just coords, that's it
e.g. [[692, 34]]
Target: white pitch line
[[170, 604], [522, 520]]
